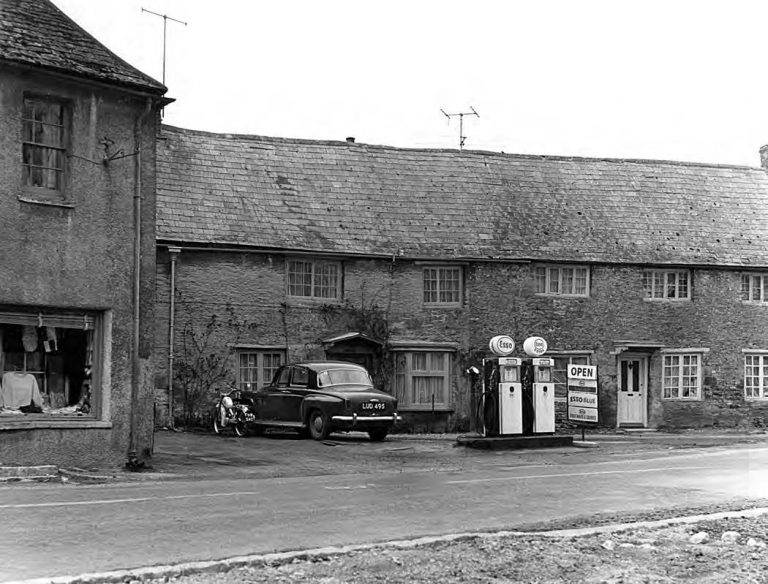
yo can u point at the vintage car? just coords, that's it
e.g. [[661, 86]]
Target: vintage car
[[320, 397]]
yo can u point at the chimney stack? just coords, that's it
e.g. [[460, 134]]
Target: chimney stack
[[764, 156], [351, 140]]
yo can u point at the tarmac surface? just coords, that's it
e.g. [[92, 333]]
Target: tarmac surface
[[203, 455]]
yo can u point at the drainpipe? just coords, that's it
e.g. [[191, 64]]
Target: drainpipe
[[133, 460], [173, 253]]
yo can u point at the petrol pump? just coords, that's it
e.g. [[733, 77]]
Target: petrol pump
[[518, 394], [510, 394], [543, 396]]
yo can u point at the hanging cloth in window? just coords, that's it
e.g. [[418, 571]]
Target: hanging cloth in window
[[29, 338]]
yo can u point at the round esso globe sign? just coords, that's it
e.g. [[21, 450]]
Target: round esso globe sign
[[502, 345], [535, 346]]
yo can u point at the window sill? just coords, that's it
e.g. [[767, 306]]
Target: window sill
[[45, 202], [683, 400], [667, 300], [569, 296], [39, 422], [437, 305], [757, 399]]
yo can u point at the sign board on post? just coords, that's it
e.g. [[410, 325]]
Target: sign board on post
[[582, 393]]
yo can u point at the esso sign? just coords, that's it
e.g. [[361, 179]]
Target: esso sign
[[502, 345], [535, 346]]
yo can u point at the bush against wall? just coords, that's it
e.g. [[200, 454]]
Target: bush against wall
[[203, 367]]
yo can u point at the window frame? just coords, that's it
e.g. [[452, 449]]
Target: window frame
[[403, 380], [315, 263], [681, 356], [260, 355], [58, 194], [439, 281], [651, 277], [97, 324], [749, 279], [762, 375], [560, 376], [543, 276]]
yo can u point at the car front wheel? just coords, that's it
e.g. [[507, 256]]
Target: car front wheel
[[319, 427], [378, 434]]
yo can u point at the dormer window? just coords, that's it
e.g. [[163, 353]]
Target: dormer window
[[44, 141]]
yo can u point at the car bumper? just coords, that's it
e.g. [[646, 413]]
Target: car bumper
[[354, 420]]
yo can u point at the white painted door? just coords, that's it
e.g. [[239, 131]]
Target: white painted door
[[632, 377]]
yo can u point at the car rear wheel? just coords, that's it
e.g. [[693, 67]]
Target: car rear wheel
[[319, 428], [378, 434]]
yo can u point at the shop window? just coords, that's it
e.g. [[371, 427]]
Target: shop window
[[560, 370], [47, 364], [756, 376], [562, 280], [314, 279], [257, 368], [682, 377], [423, 380], [667, 284], [44, 146], [442, 286], [753, 287]]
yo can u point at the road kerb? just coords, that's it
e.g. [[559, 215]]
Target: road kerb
[[280, 558]]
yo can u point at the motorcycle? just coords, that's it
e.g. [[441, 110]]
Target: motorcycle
[[235, 410]]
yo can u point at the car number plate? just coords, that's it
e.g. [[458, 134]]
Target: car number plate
[[374, 406]]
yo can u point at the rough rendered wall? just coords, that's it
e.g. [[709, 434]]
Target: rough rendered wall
[[80, 256]]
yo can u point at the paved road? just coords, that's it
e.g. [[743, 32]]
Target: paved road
[[51, 530]]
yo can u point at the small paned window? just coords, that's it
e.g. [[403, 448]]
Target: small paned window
[[753, 287], [44, 142], [423, 380], [756, 376], [560, 371], [562, 280], [682, 377], [666, 285], [442, 286], [257, 368], [314, 279]]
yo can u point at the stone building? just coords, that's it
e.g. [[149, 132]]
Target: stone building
[[77, 229], [409, 261]]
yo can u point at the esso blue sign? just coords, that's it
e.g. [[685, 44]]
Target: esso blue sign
[[502, 345], [535, 346]]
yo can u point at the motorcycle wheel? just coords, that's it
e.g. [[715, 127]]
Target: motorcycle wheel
[[217, 427], [239, 426]]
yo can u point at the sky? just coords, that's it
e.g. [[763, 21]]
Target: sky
[[665, 80]]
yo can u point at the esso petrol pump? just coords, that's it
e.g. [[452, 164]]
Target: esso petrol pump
[[518, 394], [543, 396], [510, 396]]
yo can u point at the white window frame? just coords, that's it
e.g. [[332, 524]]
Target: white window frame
[[753, 288], [756, 363], [252, 373], [555, 280], [440, 283], [314, 283], [657, 285], [405, 374], [675, 366]]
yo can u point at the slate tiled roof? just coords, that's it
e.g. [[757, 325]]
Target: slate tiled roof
[[352, 198], [37, 33]]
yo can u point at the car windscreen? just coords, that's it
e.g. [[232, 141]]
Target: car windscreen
[[331, 377]]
